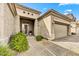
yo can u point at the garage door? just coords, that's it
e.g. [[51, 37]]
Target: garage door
[[60, 30]]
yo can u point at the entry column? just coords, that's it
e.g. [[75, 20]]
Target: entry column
[[36, 27], [17, 24]]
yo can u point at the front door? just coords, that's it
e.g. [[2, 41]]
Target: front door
[[26, 28]]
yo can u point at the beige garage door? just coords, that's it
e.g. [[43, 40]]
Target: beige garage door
[[60, 30]]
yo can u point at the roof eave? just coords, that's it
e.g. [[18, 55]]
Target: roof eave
[[51, 11], [28, 8]]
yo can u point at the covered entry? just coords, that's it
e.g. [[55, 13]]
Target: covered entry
[[60, 30], [27, 25]]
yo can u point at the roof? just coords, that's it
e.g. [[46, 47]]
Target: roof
[[71, 16], [27, 8], [55, 13]]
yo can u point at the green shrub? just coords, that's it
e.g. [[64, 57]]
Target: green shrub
[[5, 51], [19, 42], [39, 37]]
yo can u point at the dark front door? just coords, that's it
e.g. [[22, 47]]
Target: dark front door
[[25, 26]]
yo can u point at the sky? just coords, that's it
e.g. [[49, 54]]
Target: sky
[[63, 8]]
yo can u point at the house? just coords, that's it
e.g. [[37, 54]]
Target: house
[[17, 18], [54, 25], [28, 20], [77, 27]]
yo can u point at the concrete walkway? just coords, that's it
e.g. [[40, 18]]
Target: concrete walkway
[[59, 47], [36, 49]]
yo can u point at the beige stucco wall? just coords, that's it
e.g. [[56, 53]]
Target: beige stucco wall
[[1, 21], [45, 27], [17, 23], [36, 26], [20, 12], [73, 27], [8, 26]]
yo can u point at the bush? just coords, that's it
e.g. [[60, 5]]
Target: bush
[[5, 51], [19, 42], [39, 37]]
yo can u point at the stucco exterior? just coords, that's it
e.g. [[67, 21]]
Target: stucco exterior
[[1, 21], [21, 11], [44, 26], [15, 17], [7, 22], [28, 14], [48, 22]]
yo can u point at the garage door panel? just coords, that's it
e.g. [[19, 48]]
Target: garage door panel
[[60, 30]]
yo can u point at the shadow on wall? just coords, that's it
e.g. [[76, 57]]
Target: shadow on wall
[[43, 29]]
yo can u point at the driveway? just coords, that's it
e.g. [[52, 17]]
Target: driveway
[[71, 43], [68, 46]]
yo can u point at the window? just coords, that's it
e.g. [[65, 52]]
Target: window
[[28, 13], [24, 12], [32, 14]]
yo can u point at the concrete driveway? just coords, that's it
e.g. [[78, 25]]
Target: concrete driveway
[[68, 46], [71, 43]]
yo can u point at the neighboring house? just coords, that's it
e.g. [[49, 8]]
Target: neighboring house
[[72, 24], [17, 18], [77, 27]]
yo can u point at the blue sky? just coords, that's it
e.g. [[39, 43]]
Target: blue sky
[[63, 8]]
